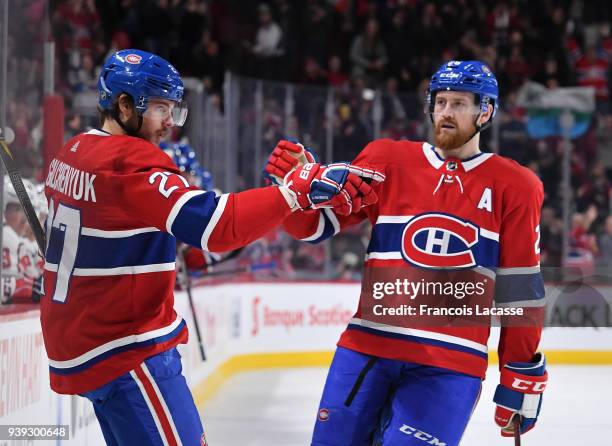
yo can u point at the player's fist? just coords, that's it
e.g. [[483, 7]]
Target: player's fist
[[359, 186], [339, 186], [316, 186], [286, 156], [520, 394]]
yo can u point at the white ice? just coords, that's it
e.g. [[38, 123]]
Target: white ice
[[277, 407]]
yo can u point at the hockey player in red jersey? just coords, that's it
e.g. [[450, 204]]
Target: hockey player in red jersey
[[444, 209], [117, 205]]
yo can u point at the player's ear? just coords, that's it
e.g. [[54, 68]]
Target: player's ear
[[126, 106]]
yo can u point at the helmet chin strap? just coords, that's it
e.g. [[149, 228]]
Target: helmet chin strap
[[479, 128], [125, 128]]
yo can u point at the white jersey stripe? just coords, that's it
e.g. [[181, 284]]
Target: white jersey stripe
[[212, 223], [390, 255], [178, 206], [333, 219], [489, 234], [136, 269], [393, 218], [421, 334], [519, 270], [97, 132], [161, 399], [93, 232], [319, 231], [114, 344], [143, 391], [119, 271]]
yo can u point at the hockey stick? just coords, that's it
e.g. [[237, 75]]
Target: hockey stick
[[517, 431], [187, 284], [22, 194]]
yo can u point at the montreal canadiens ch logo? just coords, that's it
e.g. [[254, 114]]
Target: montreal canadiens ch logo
[[439, 241], [133, 59], [323, 415]]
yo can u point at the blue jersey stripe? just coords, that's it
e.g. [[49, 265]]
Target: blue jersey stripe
[[328, 230], [387, 237], [194, 216], [72, 370], [419, 340], [100, 252], [519, 287]]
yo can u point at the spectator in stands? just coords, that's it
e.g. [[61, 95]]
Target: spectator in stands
[[393, 108], [76, 21], [369, 54], [551, 238], [583, 245], [207, 62], [335, 76], [267, 47], [313, 73], [514, 141], [317, 18], [401, 49], [593, 70]]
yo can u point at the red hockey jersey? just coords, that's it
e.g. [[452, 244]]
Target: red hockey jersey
[[479, 214], [116, 204]]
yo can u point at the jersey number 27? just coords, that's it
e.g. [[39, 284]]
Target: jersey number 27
[[64, 229]]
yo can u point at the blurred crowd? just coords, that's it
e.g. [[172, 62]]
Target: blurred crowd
[[22, 267], [357, 47]]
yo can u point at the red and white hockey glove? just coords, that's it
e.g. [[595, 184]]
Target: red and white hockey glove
[[315, 186], [360, 193], [520, 394], [286, 156]]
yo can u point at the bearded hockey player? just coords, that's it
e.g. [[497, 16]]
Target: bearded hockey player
[[117, 205], [444, 209]]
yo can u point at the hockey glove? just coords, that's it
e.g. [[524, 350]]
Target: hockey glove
[[315, 186], [520, 394], [286, 156]]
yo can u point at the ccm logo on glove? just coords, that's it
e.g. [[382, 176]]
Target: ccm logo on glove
[[524, 383]]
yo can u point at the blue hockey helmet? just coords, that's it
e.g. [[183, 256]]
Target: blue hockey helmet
[[471, 76], [142, 75]]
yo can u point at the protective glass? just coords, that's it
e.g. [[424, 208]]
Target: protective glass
[[164, 112]]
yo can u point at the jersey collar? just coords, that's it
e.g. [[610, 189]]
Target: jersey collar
[[97, 132], [468, 164]]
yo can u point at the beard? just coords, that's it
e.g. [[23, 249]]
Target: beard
[[450, 139]]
